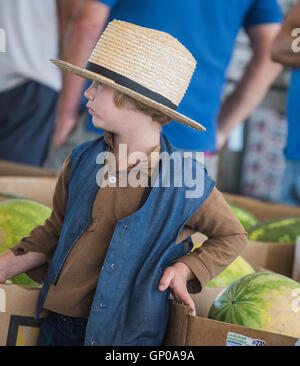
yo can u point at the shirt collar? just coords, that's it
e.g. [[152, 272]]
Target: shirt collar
[[152, 159]]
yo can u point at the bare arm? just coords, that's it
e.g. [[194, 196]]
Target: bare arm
[[67, 11], [12, 265], [286, 47], [258, 77], [85, 32]]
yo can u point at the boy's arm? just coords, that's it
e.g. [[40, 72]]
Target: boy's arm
[[226, 240], [38, 247]]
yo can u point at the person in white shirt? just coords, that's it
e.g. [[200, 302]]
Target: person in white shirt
[[29, 82]]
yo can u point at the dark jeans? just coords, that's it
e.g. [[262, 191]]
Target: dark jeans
[[27, 116], [61, 330]]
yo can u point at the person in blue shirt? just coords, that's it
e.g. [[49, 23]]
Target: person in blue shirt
[[209, 30], [286, 50]]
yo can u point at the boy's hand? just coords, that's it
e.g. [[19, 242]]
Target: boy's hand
[[176, 277], [4, 259], [2, 277], [11, 265]]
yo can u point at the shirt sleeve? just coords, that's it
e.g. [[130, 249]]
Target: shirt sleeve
[[44, 238], [262, 12], [109, 3], [226, 240]]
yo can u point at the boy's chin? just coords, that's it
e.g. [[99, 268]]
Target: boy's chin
[[99, 123], [103, 125]]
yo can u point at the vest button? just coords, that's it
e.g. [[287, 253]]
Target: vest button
[[93, 343], [125, 226]]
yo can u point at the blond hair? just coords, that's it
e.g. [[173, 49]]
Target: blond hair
[[122, 100]]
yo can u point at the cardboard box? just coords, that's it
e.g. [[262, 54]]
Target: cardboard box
[[40, 189], [19, 328], [262, 210], [187, 330], [8, 168], [17, 310], [277, 257], [274, 257]]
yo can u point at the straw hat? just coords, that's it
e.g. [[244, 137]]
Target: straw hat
[[148, 65]]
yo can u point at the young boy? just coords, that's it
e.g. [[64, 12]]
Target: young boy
[[115, 251]]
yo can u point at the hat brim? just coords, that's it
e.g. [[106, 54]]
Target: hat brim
[[92, 76]]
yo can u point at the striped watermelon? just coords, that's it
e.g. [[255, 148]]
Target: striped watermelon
[[17, 218], [237, 269], [276, 231], [263, 300], [245, 217], [6, 196]]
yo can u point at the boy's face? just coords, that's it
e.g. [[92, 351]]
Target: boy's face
[[101, 106], [106, 114]]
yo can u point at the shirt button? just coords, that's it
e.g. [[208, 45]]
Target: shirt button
[[112, 180], [93, 343], [125, 226], [101, 305], [112, 266]]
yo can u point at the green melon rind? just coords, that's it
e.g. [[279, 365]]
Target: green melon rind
[[276, 231], [245, 217], [28, 214], [23, 279], [17, 218], [237, 269], [245, 303], [11, 195]]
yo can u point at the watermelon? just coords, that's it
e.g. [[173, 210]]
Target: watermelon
[[245, 217], [276, 231], [5, 196], [17, 218], [263, 300], [237, 269]]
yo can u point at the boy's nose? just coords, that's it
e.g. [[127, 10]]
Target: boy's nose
[[89, 94]]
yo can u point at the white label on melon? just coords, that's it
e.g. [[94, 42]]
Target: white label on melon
[[2, 301], [234, 339], [297, 343]]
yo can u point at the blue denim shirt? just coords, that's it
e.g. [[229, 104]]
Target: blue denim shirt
[[128, 309]]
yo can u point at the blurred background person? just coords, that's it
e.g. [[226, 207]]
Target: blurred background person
[[29, 83], [209, 30], [286, 50]]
